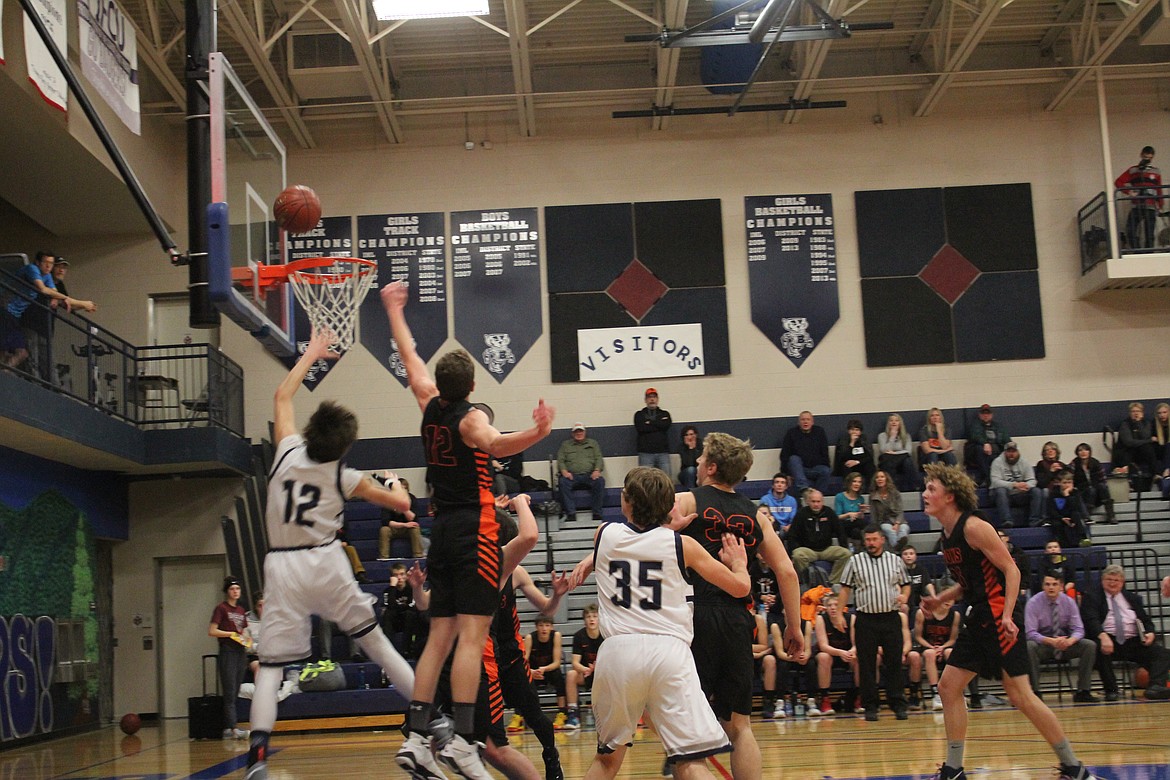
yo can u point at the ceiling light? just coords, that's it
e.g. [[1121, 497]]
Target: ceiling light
[[428, 9]]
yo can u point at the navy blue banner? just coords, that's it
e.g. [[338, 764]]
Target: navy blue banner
[[333, 237], [410, 248], [792, 270], [495, 261]]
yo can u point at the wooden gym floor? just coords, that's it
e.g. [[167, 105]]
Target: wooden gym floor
[[1127, 740]]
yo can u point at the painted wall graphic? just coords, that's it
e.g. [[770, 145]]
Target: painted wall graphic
[[616, 271], [48, 622], [949, 274], [495, 280], [792, 269], [410, 248], [333, 237]]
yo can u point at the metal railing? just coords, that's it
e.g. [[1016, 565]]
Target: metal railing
[[1093, 226], [1138, 212], [174, 386]]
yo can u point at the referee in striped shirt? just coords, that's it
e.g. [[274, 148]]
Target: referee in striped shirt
[[880, 584]]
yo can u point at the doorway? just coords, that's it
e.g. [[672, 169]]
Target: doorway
[[188, 588]]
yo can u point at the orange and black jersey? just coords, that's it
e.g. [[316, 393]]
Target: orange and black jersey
[[982, 581], [458, 474], [720, 512], [506, 628]]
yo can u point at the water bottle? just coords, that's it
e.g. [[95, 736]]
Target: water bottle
[[362, 678], [799, 707]]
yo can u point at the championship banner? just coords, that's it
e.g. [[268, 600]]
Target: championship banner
[[644, 352], [42, 71], [410, 248], [333, 236], [109, 57], [792, 270], [495, 261]]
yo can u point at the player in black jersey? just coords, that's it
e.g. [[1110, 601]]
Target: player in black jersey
[[989, 642], [723, 624], [463, 564]]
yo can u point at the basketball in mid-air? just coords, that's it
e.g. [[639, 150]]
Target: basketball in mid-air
[[297, 209], [130, 723]]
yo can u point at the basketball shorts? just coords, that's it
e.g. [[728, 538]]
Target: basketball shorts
[[982, 649], [723, 655], [555, 680], [302, 583], [650, 672], [463, 564]]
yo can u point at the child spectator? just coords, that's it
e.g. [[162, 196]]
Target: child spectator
[[586, 643], [912, 660], [835, 650], [1065, 512], [921, 583], [781, 506], [543, 651], [402, 621], [765, 664], [400, 525], [789, 670], [935, 632]]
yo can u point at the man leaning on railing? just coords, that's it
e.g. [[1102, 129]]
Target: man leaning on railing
[[1142, 186], [36, 322]]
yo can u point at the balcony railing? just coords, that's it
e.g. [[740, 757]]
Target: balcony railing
[[173, 386]]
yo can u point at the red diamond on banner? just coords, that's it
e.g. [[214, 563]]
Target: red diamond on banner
[[949, 273], [636, 289]]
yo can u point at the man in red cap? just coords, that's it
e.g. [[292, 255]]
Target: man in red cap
[[652, 424]]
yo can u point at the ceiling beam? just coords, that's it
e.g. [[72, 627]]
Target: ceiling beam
[[1067, 12], [666, 65], [516, 15], [814, 60], [929, 19], [353, 20], [958, 58], [1134, 15], [156, 61], [240, 27]]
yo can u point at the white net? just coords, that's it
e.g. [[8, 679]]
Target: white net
[[331, 294]]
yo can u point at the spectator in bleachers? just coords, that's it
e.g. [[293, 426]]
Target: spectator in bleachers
[[688, 457], [1136, 452], [1013, 483], [651, 424], [1054, 630], [836, 649], [508, 473], [1065, 512], [580, 464], [921, 583], [885, 503], [1142, 186], [851, 508], [37, 321], [1054, 561], [1048, 466], [544, 653], [1022, 563], [933, 444], [790, 670], [1091, 482], [764, 585], [804, 454], [402, 622], [1161, 425], [854, 452], [935, 633], [984, 444], [400, 525], [781, 506], [355, 560], [817, 535], [586, 642], [765, 661], [1117, 618], [894, 453]]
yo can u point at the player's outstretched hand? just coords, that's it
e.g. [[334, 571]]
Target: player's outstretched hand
[[560, 583], [678, 520], [416, 576], [794, 643], [580, 572], [389, 478], [503, 502], [733, 551], [519, 500], [543, 415], [319, 345], [394, 296]]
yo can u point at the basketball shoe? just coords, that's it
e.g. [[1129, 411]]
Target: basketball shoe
[[1079, 772], [415, 757], [463, 758]]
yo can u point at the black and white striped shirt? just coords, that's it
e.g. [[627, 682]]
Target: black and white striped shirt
[[876, 582]]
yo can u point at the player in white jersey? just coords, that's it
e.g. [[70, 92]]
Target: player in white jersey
[[306, 572], [645, 662]]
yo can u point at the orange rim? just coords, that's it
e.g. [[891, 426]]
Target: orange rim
[[268, 276]]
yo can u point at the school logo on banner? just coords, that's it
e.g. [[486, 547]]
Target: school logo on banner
[[42, 70], [109, 57], [642, 352]]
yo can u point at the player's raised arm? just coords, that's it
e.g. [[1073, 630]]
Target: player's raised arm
[[394, 297], [732, 577], [526, 537], [787, 582], [393, 496], [478, 432], [545, 605], [283, 414]]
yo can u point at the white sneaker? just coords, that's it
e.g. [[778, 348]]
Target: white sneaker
[[936, 703], [415, 757], [463, 758], [779, 712], [810, 708], [227, 734], [240, 733]]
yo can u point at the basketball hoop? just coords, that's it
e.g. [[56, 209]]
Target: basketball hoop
[[331, 289]]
